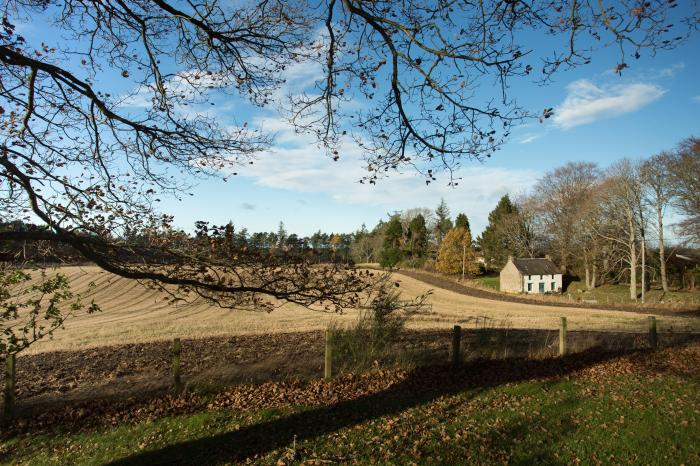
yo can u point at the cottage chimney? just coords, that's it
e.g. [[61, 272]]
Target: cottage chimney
[[510, 258], [548, 257]]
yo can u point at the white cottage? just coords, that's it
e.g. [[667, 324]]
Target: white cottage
[[538, 275]]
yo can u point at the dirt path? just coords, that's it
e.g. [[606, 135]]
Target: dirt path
[[485, 294]]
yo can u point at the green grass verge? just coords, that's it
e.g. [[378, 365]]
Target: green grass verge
[[627, 419], [620, 294], [489, 281], [612, 294]]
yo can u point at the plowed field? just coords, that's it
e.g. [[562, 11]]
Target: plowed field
[[132, 313]]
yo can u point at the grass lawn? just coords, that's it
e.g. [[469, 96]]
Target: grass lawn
[[610, 294], [489, 281], [620, 294], [608, 412]]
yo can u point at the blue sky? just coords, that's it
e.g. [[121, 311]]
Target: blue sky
[[599, 117]]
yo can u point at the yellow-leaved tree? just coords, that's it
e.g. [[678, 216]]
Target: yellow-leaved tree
[[456, 253]]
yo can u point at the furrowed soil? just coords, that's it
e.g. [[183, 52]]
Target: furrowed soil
[[132, 313]]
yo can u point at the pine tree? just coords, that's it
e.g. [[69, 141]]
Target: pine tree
[[241, 240], [443, 224], [201, 229], [492, 241], [462, 222], [228, 239], [393, 234], [418, 234], [281, 235], [393, 238]]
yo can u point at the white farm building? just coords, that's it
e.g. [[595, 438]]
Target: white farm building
[[537, 275]]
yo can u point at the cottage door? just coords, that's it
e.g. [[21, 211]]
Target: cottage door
[[541, 287]]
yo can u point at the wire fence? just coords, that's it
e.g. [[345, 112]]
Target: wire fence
[[177, 365]]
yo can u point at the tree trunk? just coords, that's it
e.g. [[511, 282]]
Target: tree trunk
[[662, 251], [587, 268], [683, 280], [644, 271], [564, 262], [633, 260], [593, 279]]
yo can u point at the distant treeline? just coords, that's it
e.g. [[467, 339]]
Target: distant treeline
[[603, 226]]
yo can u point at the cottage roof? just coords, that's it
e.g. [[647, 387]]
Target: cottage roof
[[536, 266]]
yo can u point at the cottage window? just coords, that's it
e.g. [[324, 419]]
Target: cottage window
[[541, 277], [529, 287], [554, 286], [552, 276]]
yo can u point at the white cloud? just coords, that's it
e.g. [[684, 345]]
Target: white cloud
[[671, 71], [299, 75], [587, 102], [297, 164], [530, 137], [24, 28], [696, 98]]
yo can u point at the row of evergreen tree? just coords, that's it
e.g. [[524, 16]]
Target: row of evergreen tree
[[418, 237], [415, 237], [322, 247]]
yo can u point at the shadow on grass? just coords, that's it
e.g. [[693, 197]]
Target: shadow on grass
[[516, 434], [423, 385]]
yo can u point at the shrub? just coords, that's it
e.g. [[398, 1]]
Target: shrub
[[371, 339]]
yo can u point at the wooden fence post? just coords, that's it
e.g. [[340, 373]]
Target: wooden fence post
[[328, 363], [10, 373], [456, 338], [177, 378], [653, 339], [562, 338]]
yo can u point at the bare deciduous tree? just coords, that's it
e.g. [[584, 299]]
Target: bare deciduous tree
[[563, 194], [656, 177], [685, 177], [620, 204]]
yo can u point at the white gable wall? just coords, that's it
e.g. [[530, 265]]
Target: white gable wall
[[531, 283]]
